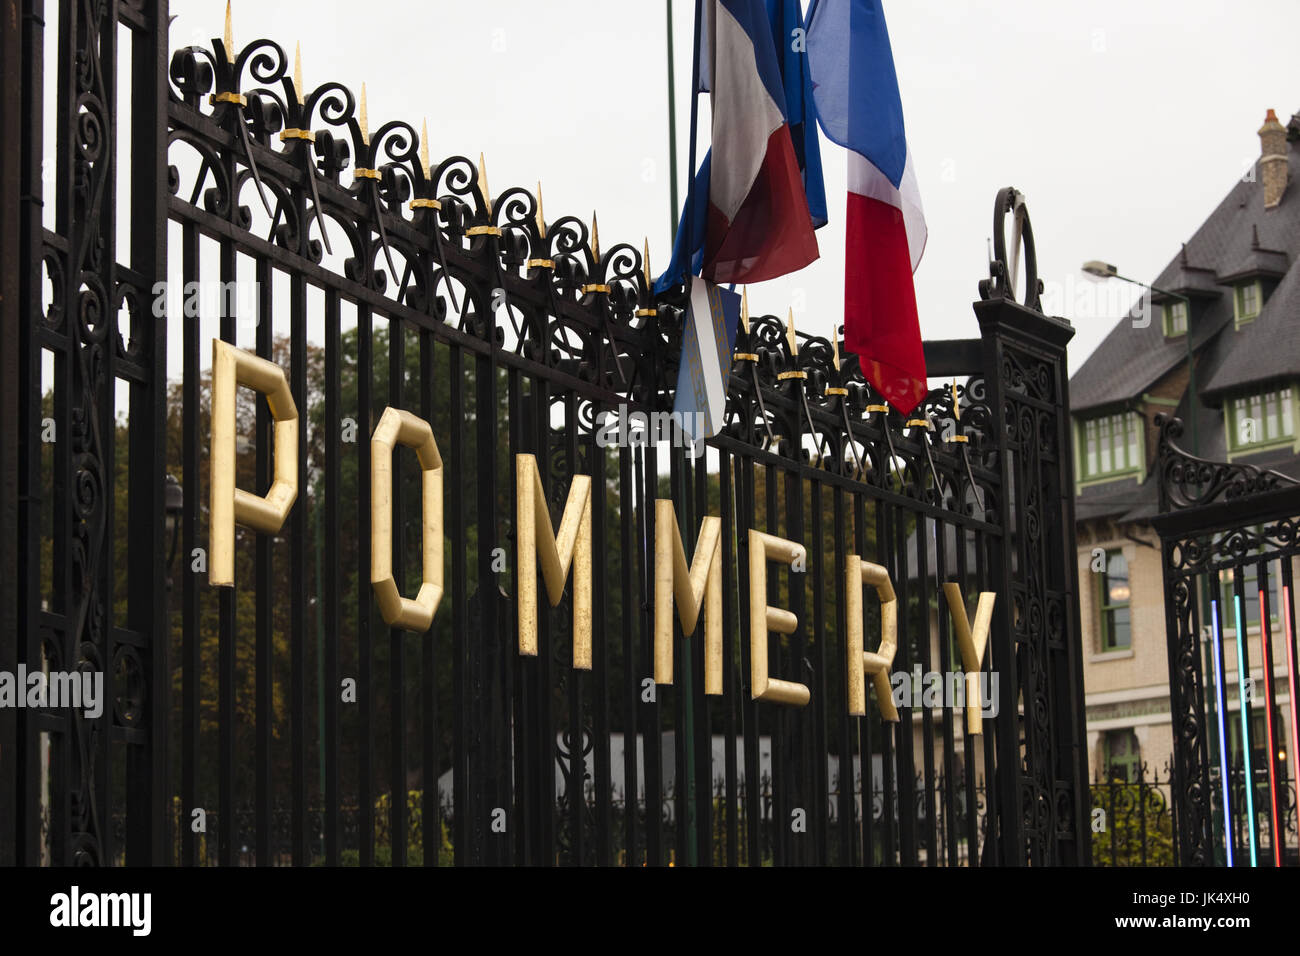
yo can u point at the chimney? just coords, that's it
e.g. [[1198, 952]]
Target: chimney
[[1273, 159]]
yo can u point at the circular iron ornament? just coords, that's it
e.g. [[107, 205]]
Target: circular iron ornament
[[1004, 272]]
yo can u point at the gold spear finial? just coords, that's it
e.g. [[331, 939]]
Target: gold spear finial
[[595, 238], [364, 118], [835, 344], [541, 215], [645, 264], [744, 309], [424, 148], [794, 345], [228, 38], [483, 182], [298, 86], [956, 409]]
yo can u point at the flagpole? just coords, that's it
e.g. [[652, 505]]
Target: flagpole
[[692, 857], [691, 198], [672, 129]]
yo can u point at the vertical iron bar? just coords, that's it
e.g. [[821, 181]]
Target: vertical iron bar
[[597, 464], [397, 834], [948, 663], [747, 518], [1270, 699], [907, 803], [299, 726], [191, 662], [818, 684], [866, 775], [148, 785], [264, 646], [430, 803], [462, 716], [333, 590], [365, 598], [226, 635], [702, 771], [730, 674], [648, 477], [847, 854], [631, 684]]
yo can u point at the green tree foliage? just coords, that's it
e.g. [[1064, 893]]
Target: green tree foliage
[[1127, 829]]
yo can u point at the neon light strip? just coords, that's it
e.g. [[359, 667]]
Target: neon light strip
[[1288, 635], [1222, 693], [1245, 730], [1268, 722]]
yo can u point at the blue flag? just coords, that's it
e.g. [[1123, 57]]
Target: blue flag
[[784, 68], [791, 45]]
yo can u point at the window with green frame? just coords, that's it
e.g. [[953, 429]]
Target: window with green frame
[[1175, 314], [1114, 594], [1249, 591], [1265, 418], [1120, 756], [1110, 446], [1246, 302]]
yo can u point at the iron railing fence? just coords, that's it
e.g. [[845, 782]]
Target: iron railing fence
[[1230, 534], [1136, 830], [376, 279]]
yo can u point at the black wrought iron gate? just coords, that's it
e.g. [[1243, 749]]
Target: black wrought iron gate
[[281, 718], [1230, 534]]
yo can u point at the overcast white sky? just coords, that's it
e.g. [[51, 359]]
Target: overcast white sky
[[1124, 122]]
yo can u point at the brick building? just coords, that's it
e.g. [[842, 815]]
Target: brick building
[[1234, 287]]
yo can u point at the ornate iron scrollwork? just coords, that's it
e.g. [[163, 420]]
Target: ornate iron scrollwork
[[1187, 481], [1004, 272]]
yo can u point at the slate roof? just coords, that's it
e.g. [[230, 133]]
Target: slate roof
[[1267, 348], [1239, 240]]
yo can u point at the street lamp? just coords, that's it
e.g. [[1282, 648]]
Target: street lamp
[[1104, 270]]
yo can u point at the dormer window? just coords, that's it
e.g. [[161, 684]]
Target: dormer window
[[1246, 302], [1110, 446], [1175, 316], [1262, 420]]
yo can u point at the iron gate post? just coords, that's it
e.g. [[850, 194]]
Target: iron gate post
[[16, 250], [1042, 789], [148, 807]]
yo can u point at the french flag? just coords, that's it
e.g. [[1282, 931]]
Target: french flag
[[856, 93], [755, 224]]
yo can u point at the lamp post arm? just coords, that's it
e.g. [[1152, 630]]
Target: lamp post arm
[[1172, 295]]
